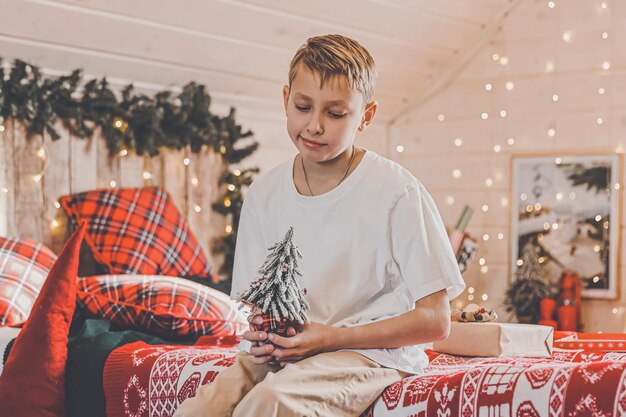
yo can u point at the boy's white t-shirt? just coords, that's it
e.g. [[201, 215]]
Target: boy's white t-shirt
[[371, 247]]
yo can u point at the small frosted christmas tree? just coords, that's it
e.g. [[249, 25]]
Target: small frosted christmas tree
[[276, 291]]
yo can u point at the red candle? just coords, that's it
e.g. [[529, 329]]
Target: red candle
[[546, 308], [567, 318]]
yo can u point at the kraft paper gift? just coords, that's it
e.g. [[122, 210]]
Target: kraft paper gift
[[498, 339]]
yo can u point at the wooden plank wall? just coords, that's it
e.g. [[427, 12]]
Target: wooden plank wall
[[29, 204]]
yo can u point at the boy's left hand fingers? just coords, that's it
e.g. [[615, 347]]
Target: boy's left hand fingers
[[286, 342], [291, 331]]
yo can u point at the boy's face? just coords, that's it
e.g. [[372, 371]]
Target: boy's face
[[322, 121]]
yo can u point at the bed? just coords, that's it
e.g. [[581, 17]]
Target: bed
[[141, 343], [132, 374], [142, 380]]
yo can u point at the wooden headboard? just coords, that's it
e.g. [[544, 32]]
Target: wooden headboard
[[35, 171]]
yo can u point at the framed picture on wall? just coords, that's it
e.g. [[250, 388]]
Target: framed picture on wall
[[566, 208]]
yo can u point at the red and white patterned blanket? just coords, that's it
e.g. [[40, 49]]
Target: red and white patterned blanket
[[143, 380]]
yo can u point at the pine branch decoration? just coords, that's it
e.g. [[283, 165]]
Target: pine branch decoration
[[135, 121], [277, 291]]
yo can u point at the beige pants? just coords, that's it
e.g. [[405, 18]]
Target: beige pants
[[329, 384]]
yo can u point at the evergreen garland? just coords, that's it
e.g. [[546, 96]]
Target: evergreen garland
[[135, 122]]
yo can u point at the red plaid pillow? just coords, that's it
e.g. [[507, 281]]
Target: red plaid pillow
[[24, 266], [138, 231], [167, 307]]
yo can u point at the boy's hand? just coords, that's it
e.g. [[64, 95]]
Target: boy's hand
[[261, 350], [313, 338]]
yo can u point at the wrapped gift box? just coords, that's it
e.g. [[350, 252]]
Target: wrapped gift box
[[497, 339]]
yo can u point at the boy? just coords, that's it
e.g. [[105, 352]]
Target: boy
[[377, 262]]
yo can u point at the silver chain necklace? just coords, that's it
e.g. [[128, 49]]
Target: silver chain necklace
[[345, 174]]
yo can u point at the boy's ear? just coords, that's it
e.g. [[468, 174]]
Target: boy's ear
[[368, 115], [285, 96]]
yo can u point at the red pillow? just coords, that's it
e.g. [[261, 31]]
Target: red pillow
[[168, 307], [24, 265], [33, 380], [138, 231]]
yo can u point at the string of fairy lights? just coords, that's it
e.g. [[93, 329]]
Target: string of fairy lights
[[504, 88], [146, 175]]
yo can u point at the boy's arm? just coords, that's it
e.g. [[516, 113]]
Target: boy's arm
[[428, 322]]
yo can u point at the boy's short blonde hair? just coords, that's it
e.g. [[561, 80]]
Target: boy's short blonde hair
[[332, 55]]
